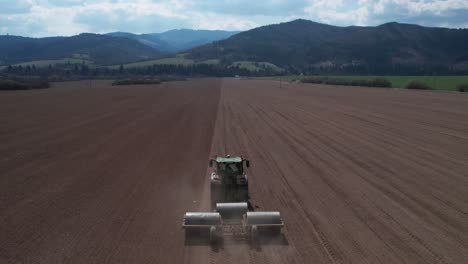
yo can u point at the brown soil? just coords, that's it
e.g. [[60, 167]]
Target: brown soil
[[104, 174]]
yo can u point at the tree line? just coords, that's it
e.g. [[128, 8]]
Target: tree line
[[84, 70], [67, 71]]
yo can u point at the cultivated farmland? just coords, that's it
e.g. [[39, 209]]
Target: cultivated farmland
[[94, 173]]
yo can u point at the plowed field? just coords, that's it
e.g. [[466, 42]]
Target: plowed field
[[91, 173]]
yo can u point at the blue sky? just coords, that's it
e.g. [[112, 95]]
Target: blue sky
[[39, 18]]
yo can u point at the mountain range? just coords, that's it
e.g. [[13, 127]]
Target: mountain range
[[100, 49], [307, 45], [299, 46], [178, 39], [106, 49]]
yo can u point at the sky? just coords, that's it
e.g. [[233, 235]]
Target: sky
[[41, 18]]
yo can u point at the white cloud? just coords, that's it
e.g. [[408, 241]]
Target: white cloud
[[68, 17], [215, 21], [14, 7], [436, 7], [338, 12]]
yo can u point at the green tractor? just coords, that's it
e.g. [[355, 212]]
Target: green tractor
[[229, 182]]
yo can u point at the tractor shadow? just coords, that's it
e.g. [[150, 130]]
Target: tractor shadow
[[265, 240], [197, 238], [203, 239]]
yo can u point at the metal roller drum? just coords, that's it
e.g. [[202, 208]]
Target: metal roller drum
[[196, 223], [194, 219], [232, 210], [264, 219], [263, 222]]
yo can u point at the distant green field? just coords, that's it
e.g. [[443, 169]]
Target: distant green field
[[46, 63], [73, 59], [448, 83], [181, 60], [256, 66], [172, 61], [212, 62], [178, 60]]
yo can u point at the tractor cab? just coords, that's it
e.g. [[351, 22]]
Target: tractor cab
[[229, 182], [229, 166]]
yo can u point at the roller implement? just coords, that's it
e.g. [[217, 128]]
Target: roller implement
[[231, 214]]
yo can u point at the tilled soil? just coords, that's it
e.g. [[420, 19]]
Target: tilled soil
[[102, 174], [360, 175]]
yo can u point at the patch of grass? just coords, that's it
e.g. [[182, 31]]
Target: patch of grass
[[170, 61], [149, 80], [182, 55], [416, 85], [256, 66], [211, 62], [377, 82], [171, 78], [23, 84], [46, 63], [181, 60], [462, 88], [80, 56], [174, 61], [178, 60], [447, 83], [136, 82]]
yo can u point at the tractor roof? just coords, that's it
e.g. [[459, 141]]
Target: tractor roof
[[228, 159]]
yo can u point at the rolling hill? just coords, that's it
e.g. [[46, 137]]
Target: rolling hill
[[310, 46], [178, 39], [99, 49]]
